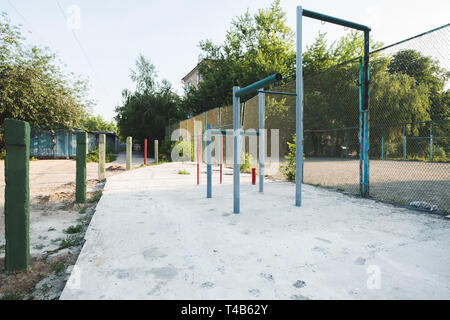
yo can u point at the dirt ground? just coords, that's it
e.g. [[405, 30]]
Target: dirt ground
[[396, 181], [52, 212]]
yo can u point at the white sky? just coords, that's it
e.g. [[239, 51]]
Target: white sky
[[113, 33]]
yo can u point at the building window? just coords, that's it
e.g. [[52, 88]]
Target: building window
[[189, 84], [198, 78]]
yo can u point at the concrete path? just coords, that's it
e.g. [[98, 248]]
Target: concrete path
[[155, 236]]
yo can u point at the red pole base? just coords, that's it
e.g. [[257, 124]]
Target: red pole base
[[220, 173], [198, 173], [253, 175]]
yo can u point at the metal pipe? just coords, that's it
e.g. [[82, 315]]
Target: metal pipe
[[236, 155], [341, 22], [278, 92], [261, 102], [258, 85], [208, 162], [299, 113]]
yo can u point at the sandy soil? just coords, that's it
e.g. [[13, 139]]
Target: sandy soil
[[396, 181], [52, 210], [154, 235], [52, 187]]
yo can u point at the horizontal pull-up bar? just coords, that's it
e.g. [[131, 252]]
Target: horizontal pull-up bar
[[345, 23], [258, 85], [242, 133], [278, 92]]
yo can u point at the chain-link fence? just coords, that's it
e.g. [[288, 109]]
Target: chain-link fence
[[409, 132]]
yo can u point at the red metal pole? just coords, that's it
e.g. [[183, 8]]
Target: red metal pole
[[198, 165], [145, 152], [253, 175], [221, 158]]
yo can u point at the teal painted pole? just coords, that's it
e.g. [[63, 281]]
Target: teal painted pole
[[382, 146], [431, 142], [156, 152], [299, 111], [360, 133], [404, 142], [346, 145], [80, 192], [17, 195], [259, 84]]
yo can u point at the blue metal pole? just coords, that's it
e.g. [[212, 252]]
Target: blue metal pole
[[236, 153], [299, 113], [431, 142], [262, 149]]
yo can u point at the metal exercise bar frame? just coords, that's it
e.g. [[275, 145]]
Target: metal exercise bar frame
[[364, 91]]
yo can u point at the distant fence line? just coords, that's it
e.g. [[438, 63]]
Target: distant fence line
[[61, 143]]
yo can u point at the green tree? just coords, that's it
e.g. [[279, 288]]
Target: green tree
[[34, 88], [97, 123], [255, 46], [147, 111]]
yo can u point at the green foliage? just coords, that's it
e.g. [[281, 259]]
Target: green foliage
[[183, 172], [255, 46], [93, 155], [289, 169], [245, 163], [74, 229], [2, 154], [58, 267], [146, 112], [92, 123], [71, 241], [12, 295], [165, 149], [33, 86], [184, 150]]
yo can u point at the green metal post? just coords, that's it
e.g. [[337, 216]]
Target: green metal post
[[382, 146], [101, 156], [156, 151], [80, 192], [17, 195], [129, 154], [404, 142], [431, 142]]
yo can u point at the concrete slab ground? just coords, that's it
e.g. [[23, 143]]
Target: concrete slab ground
[[155, 236]]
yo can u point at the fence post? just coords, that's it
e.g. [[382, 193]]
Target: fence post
[[208, 162], [236, 152], [431, 142], [129, 155], [404, 142], [382, 145], [101, 156], [17, 195], [145, 152], [156, 151], [80, 192], [346, 145]]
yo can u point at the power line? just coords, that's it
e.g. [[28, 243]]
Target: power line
[[26, 22], [86, 56]]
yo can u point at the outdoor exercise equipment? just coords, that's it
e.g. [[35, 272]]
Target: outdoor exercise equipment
[[259, 88]]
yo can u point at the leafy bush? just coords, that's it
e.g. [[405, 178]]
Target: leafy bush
[[245, 163], [166, 149], [93, 156], [289, 170], [2, 154]]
